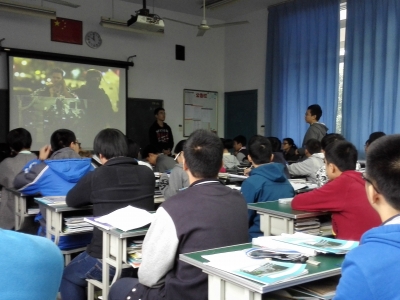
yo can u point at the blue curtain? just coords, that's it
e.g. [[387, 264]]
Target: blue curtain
[[371, 94], [302, 65]]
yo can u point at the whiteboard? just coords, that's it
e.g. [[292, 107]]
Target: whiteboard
[[199, 111]]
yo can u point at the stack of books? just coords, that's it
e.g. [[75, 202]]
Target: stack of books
[[260, 270], [306, 244], [308, 225], [76, 224], [33, 210], [323, 289], [134, 250]]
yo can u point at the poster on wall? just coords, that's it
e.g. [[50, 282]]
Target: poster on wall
[[199, 111]]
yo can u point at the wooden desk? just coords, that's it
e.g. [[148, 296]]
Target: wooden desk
[[21, 207], [114, 254], [225, 286], [277, 218]]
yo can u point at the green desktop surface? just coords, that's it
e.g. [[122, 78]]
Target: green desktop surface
[[329, 265], [282, 209]]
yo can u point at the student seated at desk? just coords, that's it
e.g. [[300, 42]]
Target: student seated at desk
[[177, 179], [373, 137], [344, 195], [289, 150], [230, 160], [310, 166], [159, 161], [267, 181], [320, 175], [134, 150], [371, 270], [118, 183], [20, 141], [239, 145], [205, 215], [55, 175], [278, 154], [31, 267]]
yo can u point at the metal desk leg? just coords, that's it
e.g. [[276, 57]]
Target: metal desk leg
[[265, 223], [48, 223], [106, 266], [219, 289], [17, 212]]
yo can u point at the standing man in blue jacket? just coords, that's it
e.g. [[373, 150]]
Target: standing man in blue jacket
[[267, 180]]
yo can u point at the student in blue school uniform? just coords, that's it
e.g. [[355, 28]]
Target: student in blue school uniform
[[371, 270], [267, 180]]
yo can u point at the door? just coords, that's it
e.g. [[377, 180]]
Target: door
[[241, 114]]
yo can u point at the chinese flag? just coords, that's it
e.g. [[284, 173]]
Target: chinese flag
[[66, 31]]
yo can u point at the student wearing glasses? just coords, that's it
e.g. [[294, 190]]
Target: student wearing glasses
[[289, 150], [344, 194], [171, 184], [57, 170], [317, 130], [370, 270]]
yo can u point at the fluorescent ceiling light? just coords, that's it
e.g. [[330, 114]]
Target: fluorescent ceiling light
[[32, 10], [217, 3], [123, 25], [65, 3]]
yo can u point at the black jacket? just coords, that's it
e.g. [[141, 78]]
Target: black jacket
[[161, 137], [291, 156], [118, 183]]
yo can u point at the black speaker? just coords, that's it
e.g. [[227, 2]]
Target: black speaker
[[179, 52]]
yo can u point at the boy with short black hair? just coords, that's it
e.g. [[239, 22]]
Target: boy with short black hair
[[370, 270], [160, 134], [372, 137], [239, 145], [343, 195], [266, 182], [19, 140], [177, 179], [316, 130], [310, 166], [205, 215], [230, 161], [160, 161], [326, 140]]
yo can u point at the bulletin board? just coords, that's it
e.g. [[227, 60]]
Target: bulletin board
[[199, 111]]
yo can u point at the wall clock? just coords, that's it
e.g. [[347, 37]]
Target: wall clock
[[93, 39]]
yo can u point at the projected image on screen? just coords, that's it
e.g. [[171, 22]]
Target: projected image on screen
[[48, 95]]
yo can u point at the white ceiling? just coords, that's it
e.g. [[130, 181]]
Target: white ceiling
[[193, 7]]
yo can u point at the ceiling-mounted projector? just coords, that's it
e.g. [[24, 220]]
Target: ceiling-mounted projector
[[143, 20]]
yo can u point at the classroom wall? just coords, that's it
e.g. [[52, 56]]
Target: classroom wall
[[245, 58], [224, 59]]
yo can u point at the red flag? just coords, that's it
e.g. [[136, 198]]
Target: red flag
[[66, 31]]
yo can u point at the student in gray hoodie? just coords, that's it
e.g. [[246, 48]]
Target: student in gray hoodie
[[170, 184], [316, 130]]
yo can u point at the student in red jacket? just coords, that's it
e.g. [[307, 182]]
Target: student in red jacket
[[344, 194]]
